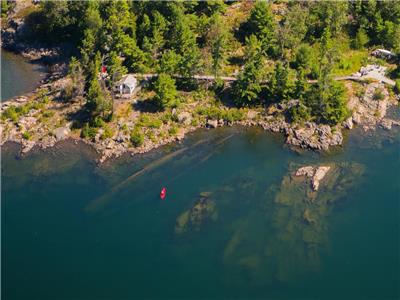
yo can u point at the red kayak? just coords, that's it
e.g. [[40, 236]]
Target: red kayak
[[163, 193]]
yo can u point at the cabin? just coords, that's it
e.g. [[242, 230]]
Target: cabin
[[382, 53], [126, 85]]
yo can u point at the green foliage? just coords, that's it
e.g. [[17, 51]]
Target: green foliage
[[166, 93], [115, 68], [10, 113], [108, 133], [149, 122], [26, 135], [88, 131], [300, 113], [137, 138], [328, 104], [326, 15], [183, 42], [98, 122], [378, 94], [262, 24], [361, 39], [397, 87], [173, 130], [303, 57], [169, 62], [97, 100], [154, 41], [216, 113], [252, 48], [335, 106], [247, 87], [218, 40], [4, 8], [292, 28], [280, 86]]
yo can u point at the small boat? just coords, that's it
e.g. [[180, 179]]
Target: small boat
[[163, 193]]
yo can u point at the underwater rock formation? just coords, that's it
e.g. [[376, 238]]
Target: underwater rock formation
[[192, 219], [315, 173], [291, 247]]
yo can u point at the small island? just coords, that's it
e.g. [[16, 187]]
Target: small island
[[132, 76]]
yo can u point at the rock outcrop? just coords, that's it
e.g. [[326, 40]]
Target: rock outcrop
[[315, 173]]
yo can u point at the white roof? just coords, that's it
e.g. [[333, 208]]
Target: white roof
[[129, 80], [385, 51]]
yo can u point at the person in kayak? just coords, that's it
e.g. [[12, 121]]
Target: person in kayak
[[163, 193]]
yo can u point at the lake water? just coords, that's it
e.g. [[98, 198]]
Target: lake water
[[17, 75], [72, 230]]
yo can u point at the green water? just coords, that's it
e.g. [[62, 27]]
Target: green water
[[71, 230], [17, 75]]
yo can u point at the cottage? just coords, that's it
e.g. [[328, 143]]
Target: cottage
[[126, 85], [382, 53]]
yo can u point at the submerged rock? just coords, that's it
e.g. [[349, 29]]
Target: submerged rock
[[315, 173], [319, 175], [192, 219]]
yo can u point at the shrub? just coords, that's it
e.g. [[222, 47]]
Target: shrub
[[378, 95], [108, 133], [88, 131], [98, 122], [300, 113], [173, 130], [10, 113], [26, 135], [48, 114], [397, 87], [137, 138], [146, 121], [360, 92], [233, 115]]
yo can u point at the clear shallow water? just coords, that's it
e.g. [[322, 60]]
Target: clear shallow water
[[17, 75], [73, 231]]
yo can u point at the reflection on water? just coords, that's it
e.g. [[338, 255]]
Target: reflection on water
[[235, 223], [18, 76]]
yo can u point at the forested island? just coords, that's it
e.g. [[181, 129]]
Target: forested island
[[306, 69]]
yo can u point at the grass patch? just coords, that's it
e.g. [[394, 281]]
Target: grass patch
[[350, 62], [149, 122]]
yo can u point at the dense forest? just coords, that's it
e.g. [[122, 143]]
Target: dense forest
[[278, 50]]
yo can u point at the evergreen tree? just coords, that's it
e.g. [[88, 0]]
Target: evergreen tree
[[361, 39], [262, 24], [218, 40], [75, 72], [169, 63], [165, 89], [98, 101], [253, 47], [303, 57], [115, 68], [292, 28], [280, 86], [247, 87]]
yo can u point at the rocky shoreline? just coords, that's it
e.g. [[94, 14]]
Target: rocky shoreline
[[366, 112]]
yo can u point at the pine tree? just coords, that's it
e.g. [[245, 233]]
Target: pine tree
[[247, 87], [165, 89], [262, 24], [218, 41]]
